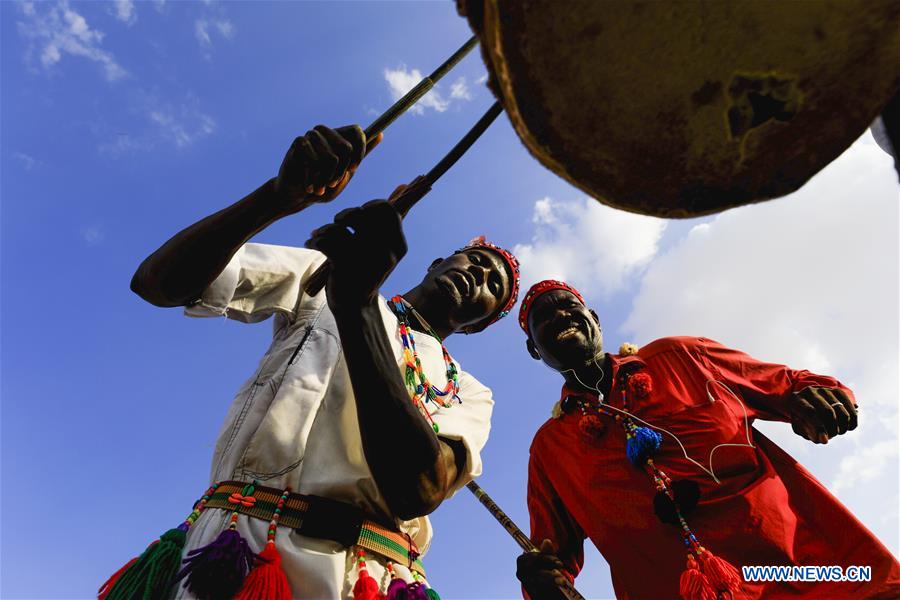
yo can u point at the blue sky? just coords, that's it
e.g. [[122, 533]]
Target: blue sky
[[123, 123]]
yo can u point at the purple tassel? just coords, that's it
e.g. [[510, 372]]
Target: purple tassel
[[397, 590], [417, 591], [217, 570]]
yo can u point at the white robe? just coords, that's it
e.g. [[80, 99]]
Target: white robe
[[294, 422]]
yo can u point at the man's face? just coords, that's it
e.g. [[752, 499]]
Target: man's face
[[471, 285], [564, 331]]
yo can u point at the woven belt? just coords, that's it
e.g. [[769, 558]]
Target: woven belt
[[319, 517]]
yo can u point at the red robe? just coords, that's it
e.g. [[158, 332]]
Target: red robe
[[767, 510]]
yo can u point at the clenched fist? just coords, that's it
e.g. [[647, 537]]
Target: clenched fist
[[364, 244], [541, 573], [820, 413], [318, 165]]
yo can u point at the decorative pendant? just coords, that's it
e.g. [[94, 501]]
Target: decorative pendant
[[640, 385], [591, 426]]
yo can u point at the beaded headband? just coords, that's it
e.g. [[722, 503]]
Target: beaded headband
[[513, 264], [542, 287]]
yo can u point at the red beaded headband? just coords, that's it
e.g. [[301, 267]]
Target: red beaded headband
[[542, 287], [512, 263]]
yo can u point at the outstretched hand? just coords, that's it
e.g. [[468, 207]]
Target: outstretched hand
[[819, 413], [318, 165], [541, 573], [364, 244]]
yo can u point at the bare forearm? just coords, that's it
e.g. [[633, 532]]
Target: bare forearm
[[408, 462], [179, 271]]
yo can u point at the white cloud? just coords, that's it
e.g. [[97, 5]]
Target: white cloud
[[183, 126], [401, 80], [124, 144], [459, 89], [28, 162], [201, 32], [204, 27], [183, 132], [864, 466], [61, 30], [92, 235], [161, 123], [125, 11], [226, 28], [593, 247]]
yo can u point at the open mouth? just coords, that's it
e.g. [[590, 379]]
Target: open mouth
[[567, 333], [568, 330]]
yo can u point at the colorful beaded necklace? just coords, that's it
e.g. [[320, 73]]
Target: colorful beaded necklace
[[706, 576], [420, 389]]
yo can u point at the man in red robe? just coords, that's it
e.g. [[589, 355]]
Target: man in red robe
[[651, 455]]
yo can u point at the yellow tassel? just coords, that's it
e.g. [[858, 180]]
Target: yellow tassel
[[627, 349]]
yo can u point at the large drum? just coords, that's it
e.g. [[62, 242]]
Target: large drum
[[683, 108]]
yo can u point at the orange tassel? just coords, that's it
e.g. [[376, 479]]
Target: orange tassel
[[104, 589], [267, 581], [721, 574], [366, 587], [694, 585]]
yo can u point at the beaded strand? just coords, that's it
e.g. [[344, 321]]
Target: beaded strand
[[421, 390], [198, 507], [276, 516]]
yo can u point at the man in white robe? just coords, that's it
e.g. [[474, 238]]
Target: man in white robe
[[327, 412]]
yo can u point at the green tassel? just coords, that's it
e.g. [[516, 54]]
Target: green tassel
[[151, 576], [410, 378], [432, 595]]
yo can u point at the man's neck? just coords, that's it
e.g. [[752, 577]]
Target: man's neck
[[594, 376], [422, 318]]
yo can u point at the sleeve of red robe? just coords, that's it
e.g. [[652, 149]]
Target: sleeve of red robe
[[551, 520], [766, 387]]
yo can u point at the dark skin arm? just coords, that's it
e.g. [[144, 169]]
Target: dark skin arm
[[316, 168], [412, 467]]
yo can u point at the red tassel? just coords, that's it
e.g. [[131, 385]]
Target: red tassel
[[721, 574], [366, 587], [694, 585], [591, 426], [267, 581], [104, 589]]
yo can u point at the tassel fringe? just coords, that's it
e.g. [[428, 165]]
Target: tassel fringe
[[366, 587], [103, 592], [152, 573], [416, 591], [721, 574], [218, 569], [397, 590], [694, 585], [267, 580], [642, 445]]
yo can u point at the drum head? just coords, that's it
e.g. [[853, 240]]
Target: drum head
[[680, 109]]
